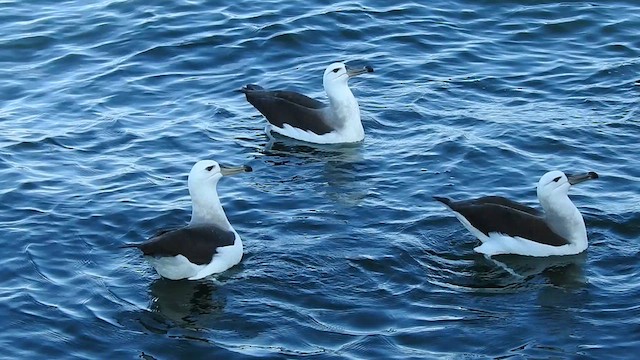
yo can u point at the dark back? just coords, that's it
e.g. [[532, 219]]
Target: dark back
[[499, 200], [197, 243], [288, 107], [497, 214]]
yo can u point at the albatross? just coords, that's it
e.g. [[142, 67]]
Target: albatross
[[507, 227], [208, 244], [300, 117]]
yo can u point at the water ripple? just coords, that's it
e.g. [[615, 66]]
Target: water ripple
[[106, 105]]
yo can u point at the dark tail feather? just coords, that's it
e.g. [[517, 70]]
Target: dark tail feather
[[126, 246], [251, 87], [443, 200]]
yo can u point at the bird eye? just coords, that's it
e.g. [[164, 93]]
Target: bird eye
[[336, 70], [557, 179], [209, 168]]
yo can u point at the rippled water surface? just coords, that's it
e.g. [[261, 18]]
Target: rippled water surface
[[106, 105]]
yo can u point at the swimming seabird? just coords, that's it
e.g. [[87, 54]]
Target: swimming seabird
[[301, 117], [506, 227], [208, 244]]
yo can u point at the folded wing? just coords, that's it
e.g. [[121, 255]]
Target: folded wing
[[288, 107]]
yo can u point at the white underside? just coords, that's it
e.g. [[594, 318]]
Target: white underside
[[333, 137], [497, 244], [179, 267]]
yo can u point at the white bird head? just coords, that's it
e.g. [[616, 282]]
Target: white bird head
[[556, 183], [338, 74], [205, 174]]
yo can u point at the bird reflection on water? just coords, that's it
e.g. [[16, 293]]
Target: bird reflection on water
[[341, 165], [561, 271], [185, 302]]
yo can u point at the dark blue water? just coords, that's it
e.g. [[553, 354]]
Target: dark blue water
[[106, 105]]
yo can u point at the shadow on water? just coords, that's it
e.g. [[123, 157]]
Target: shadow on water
[[561, 271], [185, 303], [282, 146], [342, 164]]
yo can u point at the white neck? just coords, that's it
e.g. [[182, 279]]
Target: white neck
[[206, 209], [564, 218], [345, 109]]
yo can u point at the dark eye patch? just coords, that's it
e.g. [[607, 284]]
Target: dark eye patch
[[557, 179], [209, 168], [336, 70]]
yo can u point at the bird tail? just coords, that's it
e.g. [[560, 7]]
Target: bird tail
[[443, 200], [126, 246], [251, 87]]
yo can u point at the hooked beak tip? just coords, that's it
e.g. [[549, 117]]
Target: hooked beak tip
[[356, 72], [576, 179], [226, 171]]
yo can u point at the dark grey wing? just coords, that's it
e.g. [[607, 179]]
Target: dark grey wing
[[499, 200], [288, 107], [163, 231], [198, 243], [490, 216]]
